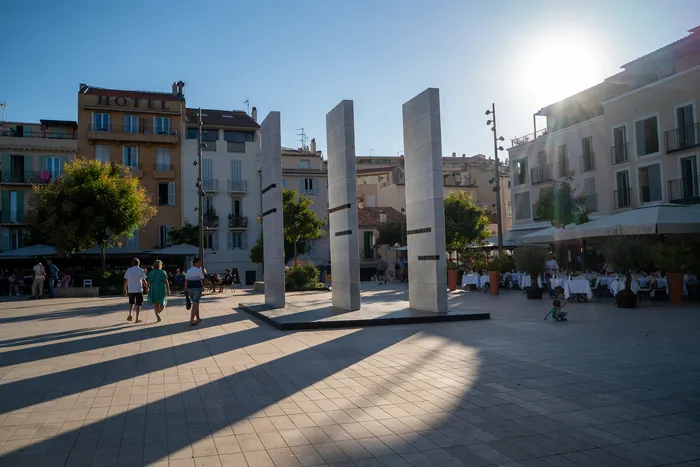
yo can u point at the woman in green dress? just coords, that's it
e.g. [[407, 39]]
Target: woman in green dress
[[159, 288]]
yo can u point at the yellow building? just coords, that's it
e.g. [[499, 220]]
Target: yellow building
[[140, 129]]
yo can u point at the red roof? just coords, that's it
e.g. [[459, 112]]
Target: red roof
[[369, 217]]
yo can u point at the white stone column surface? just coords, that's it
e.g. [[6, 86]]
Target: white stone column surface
[[273, 227], [342, 201], [425, 205]]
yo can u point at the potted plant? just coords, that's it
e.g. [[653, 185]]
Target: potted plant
[[531, 259], [673, 259], [452, 268], [495, 267], [626, 252]]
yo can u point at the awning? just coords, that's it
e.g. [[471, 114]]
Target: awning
[[177, 250], [94, 251], [33, 251]]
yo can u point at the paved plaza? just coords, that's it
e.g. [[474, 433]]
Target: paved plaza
[[79, 386]]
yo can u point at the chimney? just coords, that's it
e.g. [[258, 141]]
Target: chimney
[[313, 145], [180, 88], [464, 155], [382, 217], [254, 114], [174, 88]]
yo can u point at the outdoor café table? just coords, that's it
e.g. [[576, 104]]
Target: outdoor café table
[[526, 281], [660, 282], [578, 288], [470, 279], [605, 281], [484, 281], [516, 277], [619, 284]]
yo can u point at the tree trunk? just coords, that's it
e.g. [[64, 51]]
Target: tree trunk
[[295, 253], [104, 257]]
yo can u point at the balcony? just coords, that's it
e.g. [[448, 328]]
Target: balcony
[[209, 146], [237, 186], [591, 202], [683, 138], [27, 177], [587, 162], [541, 174], [618, 154], [131, 133], [136, 169], [210, 221], [12, 216], [12, 133], [164, 171], [237, 222], [622, 198], [519, 178], [684, 190], [235, 146], [210, 185], [563, 168]]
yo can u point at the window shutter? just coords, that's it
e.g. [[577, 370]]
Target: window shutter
[[229, 241], [42, 164], [5, 205], [244, 241], [62, 161], [302, 185], [215, 237], [5, 240], [314, 186], [171, 193], [28, 167], [20, 205]]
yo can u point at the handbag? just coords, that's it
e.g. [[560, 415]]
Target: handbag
[[188, 302]]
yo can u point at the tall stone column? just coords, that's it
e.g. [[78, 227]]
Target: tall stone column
[[342, 201], [425, 205], [273, 226]]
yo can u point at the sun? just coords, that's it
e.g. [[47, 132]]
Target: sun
[[559, 66]]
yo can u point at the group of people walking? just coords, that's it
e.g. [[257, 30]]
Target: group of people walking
[[157, 288]]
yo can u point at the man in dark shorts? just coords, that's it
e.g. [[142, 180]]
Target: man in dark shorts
[[134, 280]]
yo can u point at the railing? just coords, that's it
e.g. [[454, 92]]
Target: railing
[[622, 198], [237, 185], [209, 146], [587, 162], [36, 134], [210, 221], [30, 177], [618, 154], [563, 168], [164, 167], [312, 191], [235, 146], [591, 202], [684, 189], [11, 217], [682, 138], [133, 165], [210, 184], [541, 174], [237, 222], [529, 137], [133, 129]]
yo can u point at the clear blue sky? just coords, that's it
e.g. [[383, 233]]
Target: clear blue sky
[[302, 57]]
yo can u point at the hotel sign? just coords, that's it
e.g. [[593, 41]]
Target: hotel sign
[[132, 102]]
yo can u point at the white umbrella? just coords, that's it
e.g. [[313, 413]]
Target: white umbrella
[[30, 252]]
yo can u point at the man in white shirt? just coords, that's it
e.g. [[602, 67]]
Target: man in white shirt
[[134, 280], [38, 283]]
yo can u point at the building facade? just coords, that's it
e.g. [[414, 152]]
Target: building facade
[[230, 164], [631, 141], [143, 130], [30, 154]]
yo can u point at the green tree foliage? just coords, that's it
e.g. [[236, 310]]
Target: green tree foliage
[[188, 234], [90, 204], [530, 259], [465, 222], [389, 234], [626, 252], [559, 204], [256, 252]]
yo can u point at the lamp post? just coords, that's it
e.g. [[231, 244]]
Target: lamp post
[[200, 189], [497, 177]]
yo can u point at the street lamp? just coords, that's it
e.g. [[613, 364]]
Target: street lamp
[[497, 179], [200, 189]]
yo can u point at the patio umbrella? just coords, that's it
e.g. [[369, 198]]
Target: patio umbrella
[[95, 251], [30, 252]]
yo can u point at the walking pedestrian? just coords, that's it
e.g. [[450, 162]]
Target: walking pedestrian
[[134, 281], [381, 270], [193, 287], [53, 277], [38, 283], [159, 288]]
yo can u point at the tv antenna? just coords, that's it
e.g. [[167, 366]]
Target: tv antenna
[[302, 137], [247, 103]]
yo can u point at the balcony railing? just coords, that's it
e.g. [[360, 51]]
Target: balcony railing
[[529, 137], [519, 179], [237, 186], [27, 177], [587, 162], [164, 167], [36, 134], [12, 216], [209, 146], [591, 202], [235, 146], [622, 198], [210, 185], [237, 222], [684, 190], [541, 174], [210, 221], [618, 154], [133, 129], [682, 138], [563, 167]]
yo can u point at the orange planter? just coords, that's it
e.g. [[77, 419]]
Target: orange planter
[[494, 282], [675, 287], [452, 279]]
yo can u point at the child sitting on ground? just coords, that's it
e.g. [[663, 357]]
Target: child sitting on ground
[[557, 305]]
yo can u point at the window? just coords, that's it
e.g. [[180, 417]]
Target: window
[[689, 178], [130, 156], [58, 133], [236, 241], [588, 157], [15, 205], [687, 130], [236, 210], [161, 125], [368, 250], [236, 170], [100, 122], [509, 209], [133, 242], [650, 183], [304, 164], [166, 194], [54, 166], [623, 194], [239, 136], [102, 153], [563, 161], [163, 233], [307, 186], [192, 133], [370, 201], [15, 239], [211, 240], [131, 123], [619, 151], [519, 171], [284, 183], [647, 136], [591, 198], [163, 159], [522, 206], [210, 134]]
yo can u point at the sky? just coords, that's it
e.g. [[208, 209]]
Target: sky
[[303, 57]]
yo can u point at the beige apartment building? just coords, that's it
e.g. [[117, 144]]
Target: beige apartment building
[[631, 141], [30, 154], [143, 130]]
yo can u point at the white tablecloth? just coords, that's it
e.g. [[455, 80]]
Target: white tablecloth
[[526, 281], [483, 280], [577, 286], [515, 276], [470, 279]]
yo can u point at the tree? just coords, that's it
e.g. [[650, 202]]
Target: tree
[[559, 204], [390, 234], [465, 222], [626, 252], [188, 234], [90, 204], [257, 256]]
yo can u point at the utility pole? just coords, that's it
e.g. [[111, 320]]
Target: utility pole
[[200, 187], [497, 175]]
